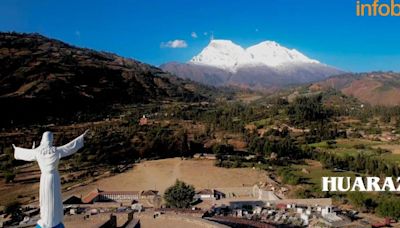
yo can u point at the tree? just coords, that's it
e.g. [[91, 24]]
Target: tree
[[288, 177], [13, 208], [9, 176], [183, 143], [362, 201], [179, 195], [222, 149], [308, 109], [389, 207]]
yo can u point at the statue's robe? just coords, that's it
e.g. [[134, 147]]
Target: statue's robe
[[48, 156]]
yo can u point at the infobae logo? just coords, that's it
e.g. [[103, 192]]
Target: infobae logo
[[378, 8]]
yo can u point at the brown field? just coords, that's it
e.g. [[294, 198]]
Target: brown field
[[156, 174], [160, 174], [25, 186]]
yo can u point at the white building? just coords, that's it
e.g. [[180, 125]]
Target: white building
[[111, 196], [205, 194], [305, 219]]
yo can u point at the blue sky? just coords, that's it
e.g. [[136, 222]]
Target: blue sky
[[325, 30]]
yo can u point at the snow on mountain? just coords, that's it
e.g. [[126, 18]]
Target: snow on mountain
[[272, 54], [262, 66], [225, 54]]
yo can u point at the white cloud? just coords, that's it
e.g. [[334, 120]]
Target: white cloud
[[174, 44], [193, 35]]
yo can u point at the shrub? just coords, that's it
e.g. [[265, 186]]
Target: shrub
[[288, 177], [359, 147], [179, 195], [9, 176]]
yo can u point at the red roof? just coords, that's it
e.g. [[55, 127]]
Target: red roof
[[281, 206], [90, 197]]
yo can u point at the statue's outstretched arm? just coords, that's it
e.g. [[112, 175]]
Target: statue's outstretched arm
[[71, 147], [24, 154]]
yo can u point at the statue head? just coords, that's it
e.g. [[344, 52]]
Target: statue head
[[47, 139]]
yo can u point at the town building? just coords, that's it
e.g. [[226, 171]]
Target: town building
[[111, 196], [143, 121], [205, 156], [205, 194], [149, 194]]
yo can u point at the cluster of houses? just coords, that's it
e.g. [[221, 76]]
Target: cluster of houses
[[263, 205], [385, 136], [247, 203], [205, 156], [277, 214], [294, 212], [227, 194]]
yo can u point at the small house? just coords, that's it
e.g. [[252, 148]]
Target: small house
[[205, 194], [219, 195], [149, 194], [143, 121]]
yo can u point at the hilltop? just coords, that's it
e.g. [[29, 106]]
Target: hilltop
[[375, 88], [52, 80]]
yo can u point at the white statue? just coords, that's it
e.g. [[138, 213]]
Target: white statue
[[47, 156]]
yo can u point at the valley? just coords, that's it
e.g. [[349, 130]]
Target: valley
[[149, 128]]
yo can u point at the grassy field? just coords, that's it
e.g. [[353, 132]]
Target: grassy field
[[351, 147], [393, 147], [391, 157], [347, 143], [315, 172], [262, 122]]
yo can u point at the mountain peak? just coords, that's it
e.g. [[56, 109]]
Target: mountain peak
[[220, 53], [227, 55], [273, 54], [269, 43], [221, 42]]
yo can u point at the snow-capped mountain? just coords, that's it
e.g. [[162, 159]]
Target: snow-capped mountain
[[229, 56], [272, 54], [266, 64], [222, 54]]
